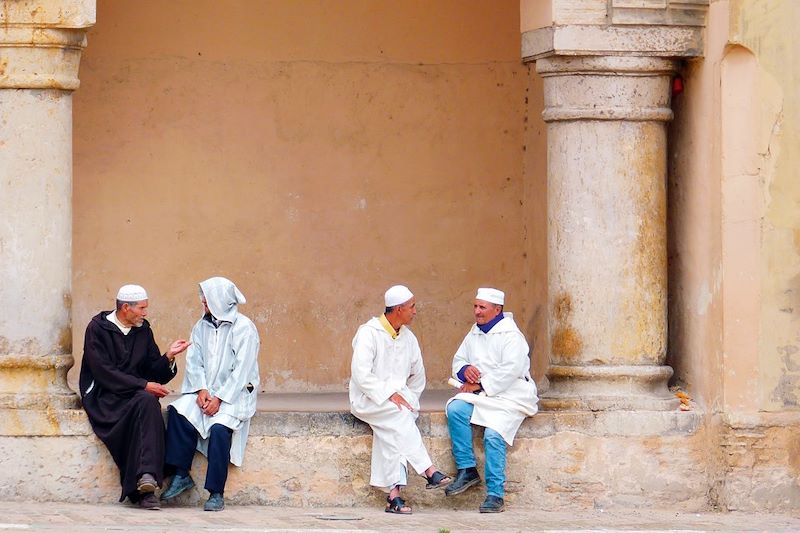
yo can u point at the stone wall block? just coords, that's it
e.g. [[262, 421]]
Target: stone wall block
[[642, 41], [580, 460], [761, 464], [49, 13]]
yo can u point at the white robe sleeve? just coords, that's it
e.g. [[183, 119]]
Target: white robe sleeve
[[364, 350], [195, 377], [462, 357], [416, 380], [245, 352], [512, 365]]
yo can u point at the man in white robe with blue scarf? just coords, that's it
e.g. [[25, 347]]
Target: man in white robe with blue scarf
[[497, 392], [218, 396]]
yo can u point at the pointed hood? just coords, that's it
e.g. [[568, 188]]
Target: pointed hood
[[222, 298]]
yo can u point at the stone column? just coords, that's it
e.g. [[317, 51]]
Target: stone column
[[607, 85], [40, 47], [607, 285]]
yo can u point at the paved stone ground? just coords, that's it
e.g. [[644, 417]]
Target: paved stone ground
[[80, 518]]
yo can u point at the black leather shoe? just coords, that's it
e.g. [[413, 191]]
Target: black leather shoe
[[215, 502], [178, 485], [492, 504], [466, 478]]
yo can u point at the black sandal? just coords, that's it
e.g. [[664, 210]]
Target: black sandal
[[396, 506], [437, 480]]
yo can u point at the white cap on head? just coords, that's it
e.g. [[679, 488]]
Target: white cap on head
[[490, 295], [399, 294], [131, 293]]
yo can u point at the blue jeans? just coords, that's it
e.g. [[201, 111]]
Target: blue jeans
[[458, 414]]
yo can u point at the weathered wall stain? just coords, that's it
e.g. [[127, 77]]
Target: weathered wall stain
[[787, 390], [565, 341], [566, 344]]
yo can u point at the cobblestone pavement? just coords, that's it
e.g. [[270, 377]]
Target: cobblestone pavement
[[80, 518]]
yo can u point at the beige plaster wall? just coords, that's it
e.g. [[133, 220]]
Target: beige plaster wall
[[535, 14], [734, 198], [693, 223], [763, 171], [315, 153], [534, 202]]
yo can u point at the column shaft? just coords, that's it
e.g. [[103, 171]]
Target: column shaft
[[607, 265]]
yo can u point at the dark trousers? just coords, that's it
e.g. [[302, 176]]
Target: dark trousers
[[182, 441]]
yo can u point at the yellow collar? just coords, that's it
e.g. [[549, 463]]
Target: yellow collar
[[388, 327]]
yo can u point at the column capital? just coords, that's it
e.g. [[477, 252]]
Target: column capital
[[606, 87], [661, 28], [41, 42]]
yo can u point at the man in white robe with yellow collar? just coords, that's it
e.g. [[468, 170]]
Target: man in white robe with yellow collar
[[497, 392], [218, 396], [387, 379]]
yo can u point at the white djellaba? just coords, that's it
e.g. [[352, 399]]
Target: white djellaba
[[509, 393], [381, 366], [224, 361]]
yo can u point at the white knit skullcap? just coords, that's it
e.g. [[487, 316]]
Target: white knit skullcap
[[131, 293], [399, 294], [490, 295]]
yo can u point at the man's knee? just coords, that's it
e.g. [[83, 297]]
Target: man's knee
[[218, 431], [459, 409], [172, 414], [492, 438], [145, 401]]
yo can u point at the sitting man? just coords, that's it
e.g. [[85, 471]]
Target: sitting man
[[122, 377], [218, 396], [387, 379], [497, 393]]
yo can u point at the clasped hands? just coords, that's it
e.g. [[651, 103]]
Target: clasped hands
[[473, 376], [207, 403]]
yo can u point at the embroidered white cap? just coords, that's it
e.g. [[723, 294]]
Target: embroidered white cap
[[490, 295], [131, 293], [396, 295]]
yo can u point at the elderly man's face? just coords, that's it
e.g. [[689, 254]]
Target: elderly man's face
[[485, 311], [133, 315], [407, 311]]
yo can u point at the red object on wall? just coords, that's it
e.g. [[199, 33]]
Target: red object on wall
[[677, 85]]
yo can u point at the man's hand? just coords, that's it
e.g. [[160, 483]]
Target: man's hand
[[177, 347], [400, 402], [472, 374], [202, 399], [212, 406], [470, 387], [156, 389]]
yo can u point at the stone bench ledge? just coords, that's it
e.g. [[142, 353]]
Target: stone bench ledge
[[327, 414]]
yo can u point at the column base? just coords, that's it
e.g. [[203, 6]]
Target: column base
[[608, 388], [36, 382]]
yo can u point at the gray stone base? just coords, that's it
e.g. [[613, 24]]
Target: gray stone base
[[559, 460]]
